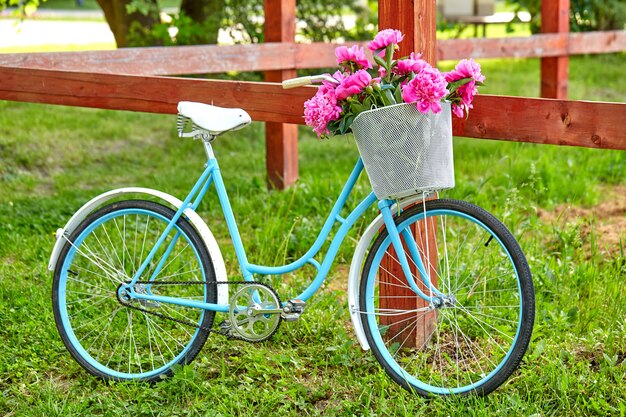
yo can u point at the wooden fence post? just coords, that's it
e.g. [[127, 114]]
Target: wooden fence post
[[554, 70], [281, 140], [416, 19]]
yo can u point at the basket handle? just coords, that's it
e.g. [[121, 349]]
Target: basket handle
[[302, 81]]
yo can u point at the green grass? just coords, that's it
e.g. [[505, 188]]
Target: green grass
[[54, 158]]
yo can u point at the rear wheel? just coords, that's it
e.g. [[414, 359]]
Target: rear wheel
[[476, 338], [137, 339]]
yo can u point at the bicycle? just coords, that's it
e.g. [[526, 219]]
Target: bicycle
[[137, 284]]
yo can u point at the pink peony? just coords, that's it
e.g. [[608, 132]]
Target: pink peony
[[466, 68], [320, 110], [355, 55], [426, 90], [353, 84], [460, 109], [328, 86], [385, 38], [467, 92], [464, 95], [412, 64]]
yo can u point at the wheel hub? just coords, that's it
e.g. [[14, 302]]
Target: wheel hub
[[125, 295], [446, 301]]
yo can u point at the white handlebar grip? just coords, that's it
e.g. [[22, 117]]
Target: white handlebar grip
[[296, 82]]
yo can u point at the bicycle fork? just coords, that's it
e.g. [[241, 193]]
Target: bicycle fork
[[437, 298]]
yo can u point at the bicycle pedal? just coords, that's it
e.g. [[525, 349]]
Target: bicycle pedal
[[293, 309]]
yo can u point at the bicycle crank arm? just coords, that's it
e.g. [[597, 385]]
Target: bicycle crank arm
[[257, 312]]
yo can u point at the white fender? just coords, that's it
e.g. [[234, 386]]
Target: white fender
[[354, 276], [192, 216]]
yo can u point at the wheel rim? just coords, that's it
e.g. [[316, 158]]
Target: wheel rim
[[116, 340], [474, 338]]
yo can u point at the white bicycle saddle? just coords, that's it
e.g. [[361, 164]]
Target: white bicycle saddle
[[213, 119]]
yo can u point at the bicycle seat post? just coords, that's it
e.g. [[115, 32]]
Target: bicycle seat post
[[208, 149]]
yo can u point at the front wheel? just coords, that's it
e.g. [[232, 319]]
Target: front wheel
[[132, 339], [474, 336]]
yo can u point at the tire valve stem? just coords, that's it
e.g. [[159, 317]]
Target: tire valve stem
[[488, 241], [72, 272]]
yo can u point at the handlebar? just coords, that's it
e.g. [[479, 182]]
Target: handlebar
[[302, 81]]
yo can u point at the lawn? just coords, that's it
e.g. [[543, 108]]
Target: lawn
[[565, 205]]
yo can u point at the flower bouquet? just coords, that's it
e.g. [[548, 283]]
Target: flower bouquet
[[399, 111]]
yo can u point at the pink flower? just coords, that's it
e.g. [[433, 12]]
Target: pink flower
[[463, 96], [346, 56], [466, 68], [385, 38], [426, 90], [328, 86], [467, 92], [320, 110], [353, 84], [459, 109], [412, 64]]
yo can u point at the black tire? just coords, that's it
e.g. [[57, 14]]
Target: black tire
[[112, 340], [476, 340]]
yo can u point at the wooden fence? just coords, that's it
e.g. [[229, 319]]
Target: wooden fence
[[204, 59], [132, 79]]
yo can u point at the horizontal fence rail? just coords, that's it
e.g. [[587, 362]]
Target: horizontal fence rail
[[542, 45], [276, 56], [558, 122]]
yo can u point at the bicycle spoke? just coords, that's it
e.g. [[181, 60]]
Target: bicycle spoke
[[98, 262], [133, 338], [460, 343]]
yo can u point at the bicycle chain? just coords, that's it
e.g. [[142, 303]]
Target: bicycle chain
[[224, 333]]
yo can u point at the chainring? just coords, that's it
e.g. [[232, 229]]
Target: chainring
[[255, 312]]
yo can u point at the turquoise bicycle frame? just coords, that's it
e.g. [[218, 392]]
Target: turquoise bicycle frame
[[212, 175]]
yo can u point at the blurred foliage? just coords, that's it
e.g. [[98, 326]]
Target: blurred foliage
[[242, 20], [585, 15], [531, 6], [588, 15], [177, 30], [21, 7]]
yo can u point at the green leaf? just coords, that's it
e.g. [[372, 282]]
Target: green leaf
[[348, 124], [398, 94], [342, 126], [379, 60], [333, 127], [367, 104], [356, 107], [456, 84], [389, 56], [387, 97]]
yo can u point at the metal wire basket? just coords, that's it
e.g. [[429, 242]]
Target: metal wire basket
[[405, 152]]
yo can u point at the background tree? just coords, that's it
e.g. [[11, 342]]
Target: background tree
[[123, 15], [142, 23], [199, 22]]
